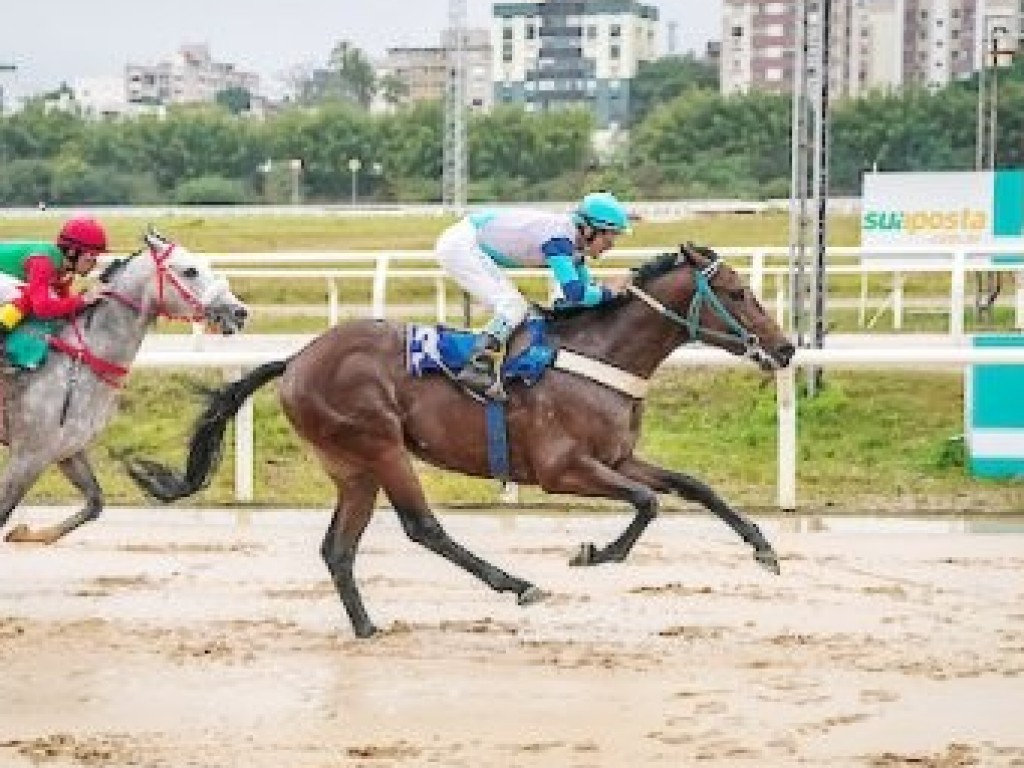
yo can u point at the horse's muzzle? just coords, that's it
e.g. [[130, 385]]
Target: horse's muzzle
[[773, 359], [228, 318]]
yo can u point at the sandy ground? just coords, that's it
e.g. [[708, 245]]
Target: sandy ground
[[201, 638]]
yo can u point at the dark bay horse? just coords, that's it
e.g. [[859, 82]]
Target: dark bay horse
[[349, 395], [52, 414]]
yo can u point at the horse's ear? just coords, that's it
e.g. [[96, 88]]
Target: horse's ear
[[687, 251], [153, 238]]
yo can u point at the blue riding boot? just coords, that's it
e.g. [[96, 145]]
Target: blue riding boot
[[482, 372]]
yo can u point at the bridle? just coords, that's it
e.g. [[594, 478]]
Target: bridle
[[704, 293], [165, 277], [108, 371]]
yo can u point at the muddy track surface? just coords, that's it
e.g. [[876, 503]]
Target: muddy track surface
[[195, 638]]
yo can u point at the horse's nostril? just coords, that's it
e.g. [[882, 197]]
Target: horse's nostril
[[785, 353], [241, 313]]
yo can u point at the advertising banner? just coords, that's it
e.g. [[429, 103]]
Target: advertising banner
[[944, 208]]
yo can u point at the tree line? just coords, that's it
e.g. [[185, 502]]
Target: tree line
[[686, 141]]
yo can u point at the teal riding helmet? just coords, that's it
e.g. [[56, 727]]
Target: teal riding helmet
[[602, 211]]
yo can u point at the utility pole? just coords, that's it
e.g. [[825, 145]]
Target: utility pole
[[809, 178], [456, 155]]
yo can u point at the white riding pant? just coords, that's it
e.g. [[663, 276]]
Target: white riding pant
[[10, 288], [462, 258]]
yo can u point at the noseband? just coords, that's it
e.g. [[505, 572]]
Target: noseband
[[704, 293]]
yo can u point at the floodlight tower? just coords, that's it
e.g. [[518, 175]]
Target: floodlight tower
[[456, 155]]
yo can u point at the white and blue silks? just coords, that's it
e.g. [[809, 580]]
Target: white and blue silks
[[476, 250]]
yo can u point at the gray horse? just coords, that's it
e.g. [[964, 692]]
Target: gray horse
[[52, 414]]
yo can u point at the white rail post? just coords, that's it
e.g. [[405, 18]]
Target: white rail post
[[243, 444], [956, 294], [442, 300], [1018, 281], [897, 301], [380, 281], [862, 310], [780, 300], [785, 396], [757, 273], [332, 302]]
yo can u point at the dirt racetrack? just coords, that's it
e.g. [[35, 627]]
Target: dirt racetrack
[[194, 638]]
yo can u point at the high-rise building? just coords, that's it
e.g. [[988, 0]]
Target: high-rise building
[[191, 76], [424, 70], [551, 54], [874, 44]]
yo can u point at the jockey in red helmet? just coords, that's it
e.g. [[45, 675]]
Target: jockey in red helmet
[[36, 276]]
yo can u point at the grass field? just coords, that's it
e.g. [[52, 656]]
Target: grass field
[[873, 441]]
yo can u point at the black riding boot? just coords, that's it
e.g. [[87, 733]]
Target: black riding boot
[[482, 373]]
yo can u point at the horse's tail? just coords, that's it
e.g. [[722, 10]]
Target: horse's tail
[[204, 452]]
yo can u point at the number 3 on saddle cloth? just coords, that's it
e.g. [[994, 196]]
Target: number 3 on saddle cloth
[[436, 348]]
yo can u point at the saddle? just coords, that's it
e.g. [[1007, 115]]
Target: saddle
[[440, 349]]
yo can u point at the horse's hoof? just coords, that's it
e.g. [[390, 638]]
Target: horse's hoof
[[366, 632], [18, 533], [530, 595], [587, 555], [768, 560]]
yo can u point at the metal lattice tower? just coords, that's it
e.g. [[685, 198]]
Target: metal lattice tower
[[810, 172], [456, 154]]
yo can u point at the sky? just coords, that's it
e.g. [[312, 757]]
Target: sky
[[54, 41]]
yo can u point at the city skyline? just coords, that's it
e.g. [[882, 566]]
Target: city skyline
[[65, 40]]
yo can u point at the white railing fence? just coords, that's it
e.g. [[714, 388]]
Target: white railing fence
[[760, 265], [234, 362]]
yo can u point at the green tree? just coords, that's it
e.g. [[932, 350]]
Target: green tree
[[235, 99], [662, 80]]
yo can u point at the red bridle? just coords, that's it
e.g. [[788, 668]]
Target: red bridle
[[111, 372], [164, 275]]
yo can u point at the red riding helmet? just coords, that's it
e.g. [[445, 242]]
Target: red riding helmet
[[83, 233]]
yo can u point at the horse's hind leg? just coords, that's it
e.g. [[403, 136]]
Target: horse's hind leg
[[19, 475], [406, 495], [79, 472], [356, 495]]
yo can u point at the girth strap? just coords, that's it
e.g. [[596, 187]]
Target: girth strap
[[497, 440]]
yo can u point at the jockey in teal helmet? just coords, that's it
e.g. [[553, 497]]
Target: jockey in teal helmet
[[474, 251]]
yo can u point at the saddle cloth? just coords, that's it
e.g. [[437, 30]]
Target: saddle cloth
[[27, 346], [433, 348]]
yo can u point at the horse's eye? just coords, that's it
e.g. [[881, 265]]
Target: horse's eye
[[736, 295], [190, 272]]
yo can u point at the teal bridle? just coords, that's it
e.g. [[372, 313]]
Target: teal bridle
[[703, 294]]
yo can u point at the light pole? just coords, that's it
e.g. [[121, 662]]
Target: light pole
[[993, 121], [354, 164], [985, 136], [4, 69], [295, 165]]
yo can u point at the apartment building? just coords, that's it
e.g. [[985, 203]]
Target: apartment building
[[553, 54], [874, 44], [424, 70], [191, 76]]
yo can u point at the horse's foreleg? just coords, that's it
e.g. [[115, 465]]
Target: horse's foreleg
[[79, 473], [356, 495], [668, 481], [406, 495], [589, 477]]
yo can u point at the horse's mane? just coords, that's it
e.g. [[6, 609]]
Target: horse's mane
[[115, 266], [649, 270]]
